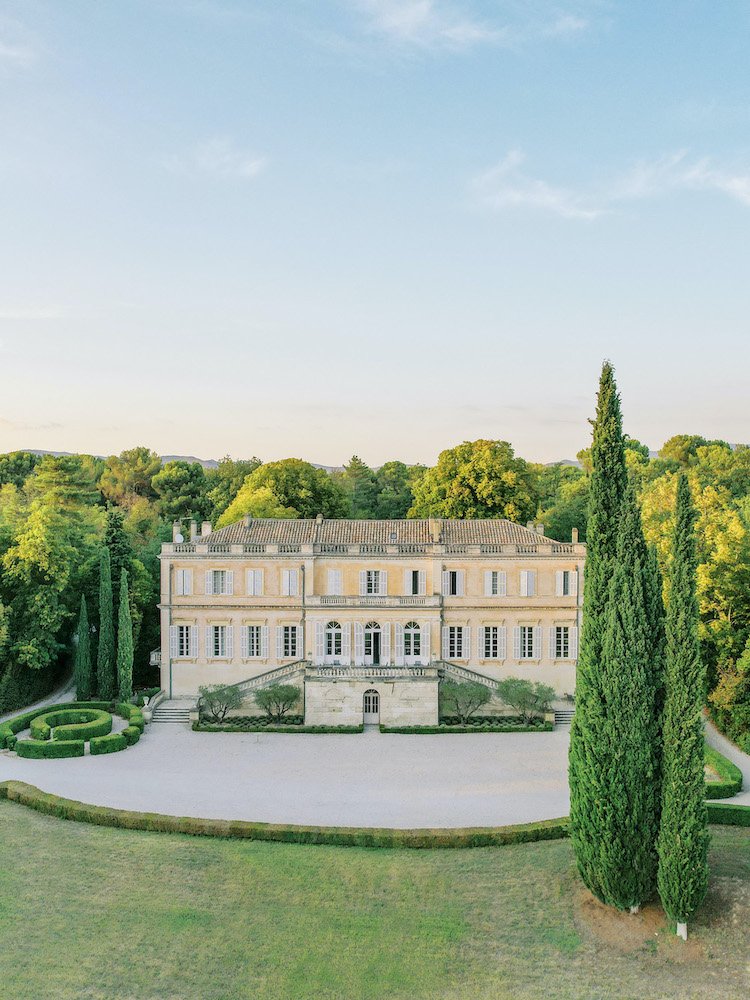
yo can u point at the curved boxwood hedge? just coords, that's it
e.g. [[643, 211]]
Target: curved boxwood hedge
[[71, 724], [21, 722], [730, 776], [108, 744], [132, 734], [49, 749]]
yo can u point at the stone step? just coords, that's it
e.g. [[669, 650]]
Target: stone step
[[564, 716]]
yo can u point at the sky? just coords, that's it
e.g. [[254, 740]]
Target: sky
[[325, 227]]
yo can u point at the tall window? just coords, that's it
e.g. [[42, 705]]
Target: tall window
[[372, 581], [412, 639], [562, 642], [218, 641], [494, 583], [254, 580], [219, 581], [413, 580], [333, 639], [528, 582], [491, 642], [289, 583], [254, 640], [453, 583], [289, 642], [334, 583], [527, 642], [455, 642], [184, 645], [183, 582]]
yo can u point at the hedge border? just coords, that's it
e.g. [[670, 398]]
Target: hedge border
[[49, 749], [20, 722], [461, 730], [729, 773], [552, 829], [90, 722], [132, 714], [207, 727]]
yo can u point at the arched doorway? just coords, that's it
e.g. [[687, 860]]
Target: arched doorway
[[371, 707], [412, 643], [372, 644], [333, 643]]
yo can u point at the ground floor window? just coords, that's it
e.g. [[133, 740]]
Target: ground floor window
[[183, 641], [219, 642], [454, 642], [562, 642], [412, 639], [527, 643], [254, 641], [491, 642], [289, 642]]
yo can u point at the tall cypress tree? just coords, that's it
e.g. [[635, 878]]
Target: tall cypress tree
[[120, 550], [105, 655], [607, 489], [683, 836], [627, 779], [124, 643], [82, 665]]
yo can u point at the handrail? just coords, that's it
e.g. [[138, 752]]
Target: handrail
[[464, 673]]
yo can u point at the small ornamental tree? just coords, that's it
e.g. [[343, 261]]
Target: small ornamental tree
[[277, 699], [529, 698], [124, 643], [683, 835], [216, 700], [105, 654], [463, 699], [82, 666]]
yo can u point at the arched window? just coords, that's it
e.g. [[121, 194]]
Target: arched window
[[333, 639], [412, 639]]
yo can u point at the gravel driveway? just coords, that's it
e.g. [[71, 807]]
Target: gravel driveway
[[372, 779]]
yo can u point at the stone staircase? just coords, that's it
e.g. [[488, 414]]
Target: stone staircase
[[564, 716], [173, 710]]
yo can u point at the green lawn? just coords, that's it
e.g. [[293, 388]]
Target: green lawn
[[91, 912]]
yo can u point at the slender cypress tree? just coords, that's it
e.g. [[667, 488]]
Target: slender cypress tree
[[683, 836], [82, 667], [124, 643], [105, 655], [625, 874], [120, 550], [608, 484]]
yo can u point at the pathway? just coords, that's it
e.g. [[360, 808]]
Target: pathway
[[715, 739]]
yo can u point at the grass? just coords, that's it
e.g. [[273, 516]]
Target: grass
[[95, 913]]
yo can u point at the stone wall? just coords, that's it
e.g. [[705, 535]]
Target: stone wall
[[407, 702]]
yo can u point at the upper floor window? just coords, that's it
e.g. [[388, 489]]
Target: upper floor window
[[254, 582], [333, 639], [219, 581], [415, 581], [289, 582], [494, 583], [528, 582], [373, 582], [412, 639], [453, 583], [335, 588], [183, 582], [566, 583]]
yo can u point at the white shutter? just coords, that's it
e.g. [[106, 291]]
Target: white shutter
[[502, 586], [573, 578], [480, 641], [465, 643], [230, 642], [537, 642], [559, 577], [209, 581], [460, 584], [300, 650], [250, 582], [446, 583], [383, 581], [230, 582], [516, 642], [179, 583], [334, 582], [488, 583], [244, 647], [445, 642], [573, 642], [294, 582], [399, 644], [264, 642], [319, 642], [258, 582], [359, 644], [209, 644], [501, 643], [346, 643], [422, 585], [279, 642], [425, 643], [285, 583], [385, 644], [362, 582], [407, 581], [532, 583], [551, 634], [173, 647]]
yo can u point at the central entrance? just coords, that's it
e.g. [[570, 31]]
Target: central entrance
[[371, 707], [372, 644]]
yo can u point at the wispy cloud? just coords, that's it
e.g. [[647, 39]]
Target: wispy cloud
[[507, 186], [16, 56], [19, 425], [433, 24], [22, 313], [218, 157]]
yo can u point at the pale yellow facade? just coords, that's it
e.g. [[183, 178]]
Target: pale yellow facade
[[369, 602]]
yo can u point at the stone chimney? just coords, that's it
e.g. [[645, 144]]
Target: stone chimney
[[205, 528], [247, 520], [319, 519], [574, 536], [436, 530], [530, 526], [176, 526], [193, 530], [539, 528]]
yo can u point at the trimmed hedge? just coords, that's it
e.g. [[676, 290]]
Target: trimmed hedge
[[132, 734], [728, 814], [50, 749], [71, 724], [263, 721], [490, 720], [108, 744], [21, 722], [200, 727], [730, 775], [54, 805], [131, 713], [545, 727]]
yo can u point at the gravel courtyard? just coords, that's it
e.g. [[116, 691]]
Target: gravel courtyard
[[372, 779]]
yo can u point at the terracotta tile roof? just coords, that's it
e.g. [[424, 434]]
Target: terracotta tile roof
[[347, 532]]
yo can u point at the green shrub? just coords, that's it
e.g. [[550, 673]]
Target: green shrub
[[730, 776], [50, 749], [463, 697], [216, 700], [131, 713], [541, 727], [132, 734], [228, 727], [529, 698], [71, 724], [728, 814], [108, 744], [277, 699], [11, 741]]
